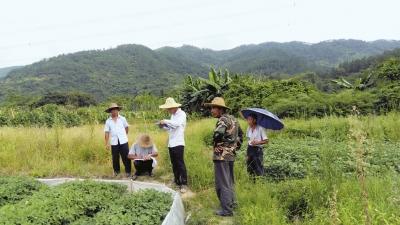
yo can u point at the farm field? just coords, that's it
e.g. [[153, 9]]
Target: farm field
[[28, 201], [331, 170], [317, 97]]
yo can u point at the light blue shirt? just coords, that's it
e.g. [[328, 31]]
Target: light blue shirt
[[142, 152], [116, 129]]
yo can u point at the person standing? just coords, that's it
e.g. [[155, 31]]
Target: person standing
[[256, 139], [227, 138], [176, 141], [116, 139]]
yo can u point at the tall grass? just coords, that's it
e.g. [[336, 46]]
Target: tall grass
[[328, 192]]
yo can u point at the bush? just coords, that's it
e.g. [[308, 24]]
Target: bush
[[144, 207], [14, 189], [307, 156], [62, 204], [390, 69], [145, 107], [88, 202], [52, 115], [300, 99], [76, 99]]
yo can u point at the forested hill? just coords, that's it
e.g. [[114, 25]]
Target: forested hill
[[130, 69], [4, 71]]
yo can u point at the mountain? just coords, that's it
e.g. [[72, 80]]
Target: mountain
[[358, 65], [131, 69], [127, 69], [5, 70]]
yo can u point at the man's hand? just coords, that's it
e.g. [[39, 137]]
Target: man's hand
[[218, 149], [161, 123], [147, 157], [254, 142], [108, 147], [132, 156]]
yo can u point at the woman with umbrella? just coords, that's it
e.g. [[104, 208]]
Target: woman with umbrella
[[258, 119]]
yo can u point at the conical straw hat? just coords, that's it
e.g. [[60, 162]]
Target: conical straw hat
[[170, 103], [217, 101], [113, 106]]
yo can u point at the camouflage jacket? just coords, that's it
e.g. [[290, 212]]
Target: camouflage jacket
[[227, 138]]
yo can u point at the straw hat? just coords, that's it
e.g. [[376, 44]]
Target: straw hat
[[217, 101], [145, 141], [170, 103], [113, 106]]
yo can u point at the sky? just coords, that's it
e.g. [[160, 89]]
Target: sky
[[34, 30]]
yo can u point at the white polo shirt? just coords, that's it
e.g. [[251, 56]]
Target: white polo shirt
[[142, 152], [176, 128], [258, 134], [117, 130]]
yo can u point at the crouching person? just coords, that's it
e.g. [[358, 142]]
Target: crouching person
[[143, 154]]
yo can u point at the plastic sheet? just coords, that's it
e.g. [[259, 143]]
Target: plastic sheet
[[175, 216]]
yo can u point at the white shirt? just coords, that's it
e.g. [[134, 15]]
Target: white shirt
[[116, 129], [142, 152], [176, 128], [258, 134]]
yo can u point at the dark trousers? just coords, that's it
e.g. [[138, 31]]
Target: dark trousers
[[117, 151], [255, 159], [143, 166], [224, 184], [178, 164]]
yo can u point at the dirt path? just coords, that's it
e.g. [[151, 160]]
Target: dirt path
[[190, 197]]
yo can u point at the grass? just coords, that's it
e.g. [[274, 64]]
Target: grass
[[314, 175]]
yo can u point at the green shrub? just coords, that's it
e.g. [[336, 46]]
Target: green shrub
[[285, 159], [77, 99], [62, 204], [390, 69], [87, 202], [144, 207], [14, 189]]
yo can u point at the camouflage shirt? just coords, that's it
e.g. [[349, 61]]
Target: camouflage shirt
[[227, 138]]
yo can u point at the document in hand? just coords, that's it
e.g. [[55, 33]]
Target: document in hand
[[161, 125]]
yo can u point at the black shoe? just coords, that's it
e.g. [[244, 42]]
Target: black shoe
[[222, 213], [134, 177]]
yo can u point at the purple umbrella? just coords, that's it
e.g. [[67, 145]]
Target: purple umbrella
[[265, 118]]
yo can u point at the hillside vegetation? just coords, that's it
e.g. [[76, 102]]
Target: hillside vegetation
[[133, 69]]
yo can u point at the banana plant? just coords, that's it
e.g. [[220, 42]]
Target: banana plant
[[360, 84], [199, 91]]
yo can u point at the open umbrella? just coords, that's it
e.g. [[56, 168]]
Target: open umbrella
[[265, 118]]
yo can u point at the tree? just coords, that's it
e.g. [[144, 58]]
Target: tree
[[360, 84], [198, 91], [390, 69], [77, 99]]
